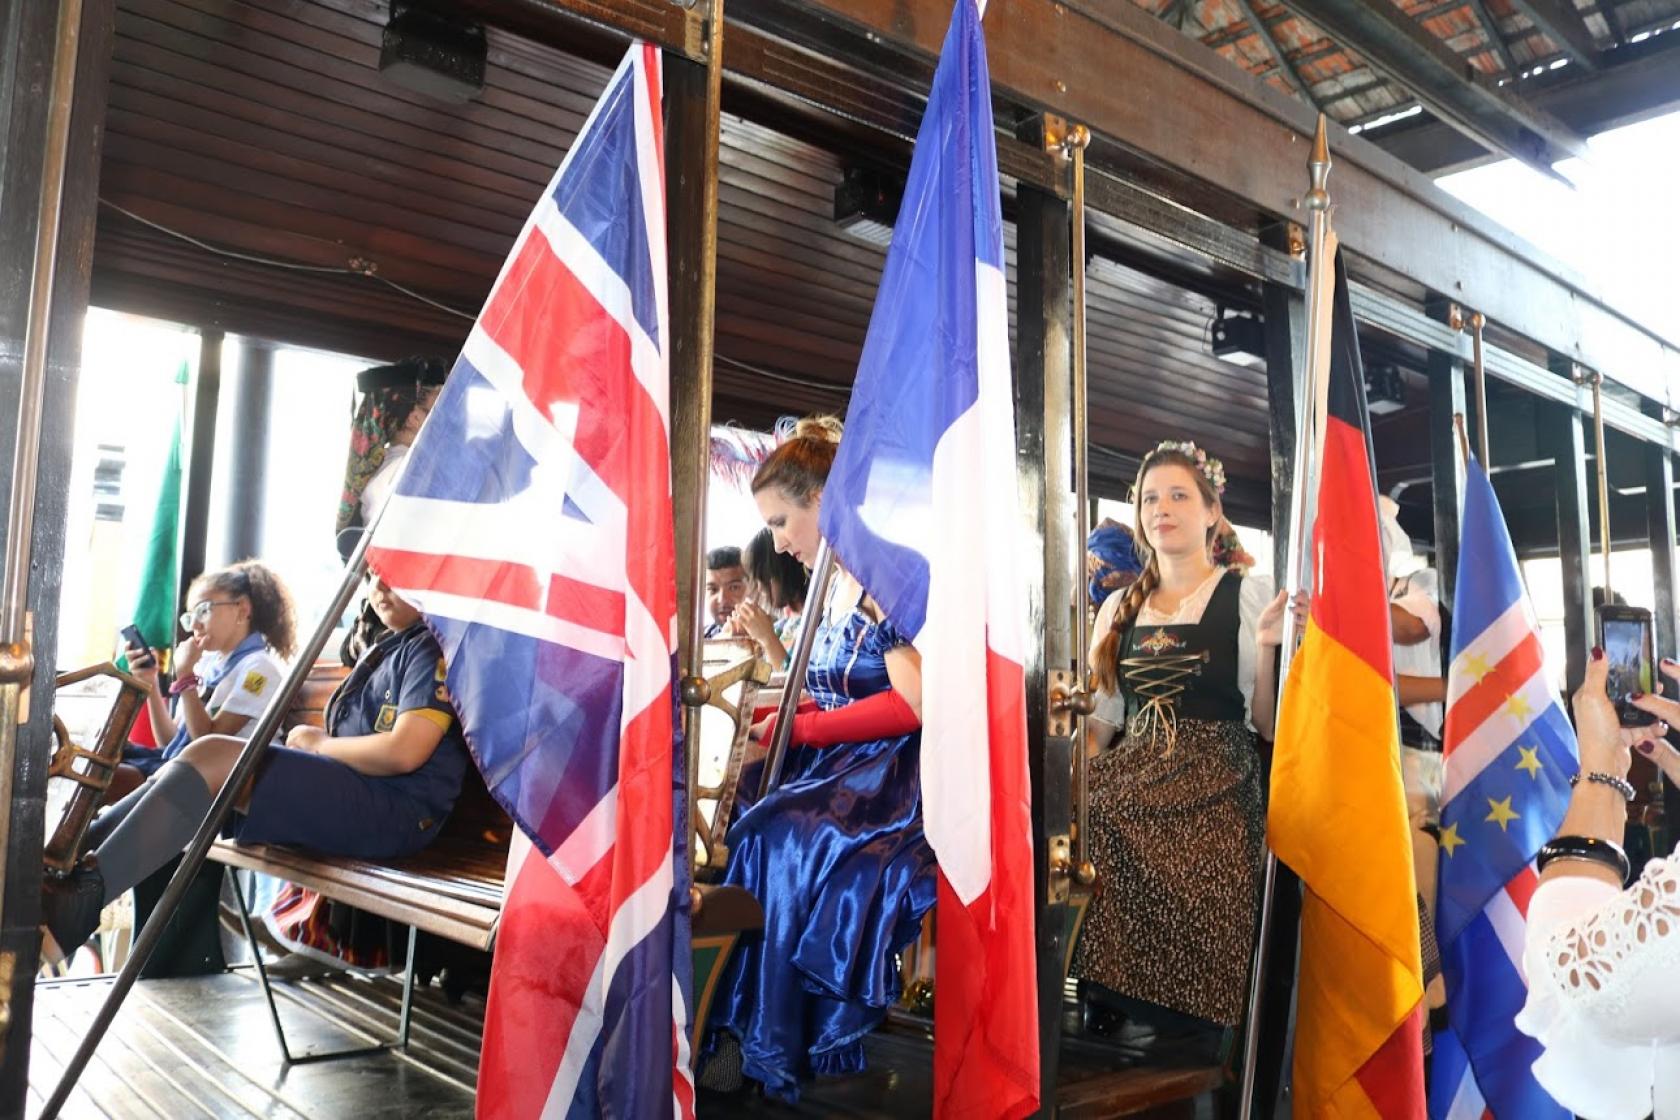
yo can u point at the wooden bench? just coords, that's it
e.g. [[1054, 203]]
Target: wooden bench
[[453, 889]]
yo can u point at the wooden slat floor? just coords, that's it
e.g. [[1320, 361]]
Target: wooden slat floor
[[203, 1047]]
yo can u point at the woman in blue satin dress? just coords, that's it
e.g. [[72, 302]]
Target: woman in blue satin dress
[[836, 854]]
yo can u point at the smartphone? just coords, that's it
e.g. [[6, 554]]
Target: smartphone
[[1625, 634], [131, 635]]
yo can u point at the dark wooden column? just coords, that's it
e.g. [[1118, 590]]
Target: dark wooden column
[[201, 461], [1284, 314], [253, 400], [691, 359], [1660, 523], [1044, 451], [27, 36], [1558, 433], [1446, 468]]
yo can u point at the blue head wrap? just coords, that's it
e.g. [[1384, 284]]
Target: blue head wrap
[[1110, 544]]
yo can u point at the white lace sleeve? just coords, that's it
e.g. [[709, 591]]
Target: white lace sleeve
[[1604, 993]]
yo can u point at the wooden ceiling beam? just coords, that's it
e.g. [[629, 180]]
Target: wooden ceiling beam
[[1395, 45], [1279, 59], [1496, 40], [1564, 25]]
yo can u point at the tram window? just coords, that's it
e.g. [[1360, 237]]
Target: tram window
[[1634, 583]]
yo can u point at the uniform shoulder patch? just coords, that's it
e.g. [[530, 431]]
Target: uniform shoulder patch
[[442, 671], [387, 718], [254, 683]]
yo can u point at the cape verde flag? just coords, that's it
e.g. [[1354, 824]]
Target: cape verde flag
[[921, 507], [1510, 752], [532, 527]]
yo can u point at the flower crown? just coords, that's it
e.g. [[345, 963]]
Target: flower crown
[[1212, 469]]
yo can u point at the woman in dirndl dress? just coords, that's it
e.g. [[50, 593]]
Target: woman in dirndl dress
[[1185, 665]]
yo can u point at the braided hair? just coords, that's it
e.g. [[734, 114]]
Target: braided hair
[[1105, 661]]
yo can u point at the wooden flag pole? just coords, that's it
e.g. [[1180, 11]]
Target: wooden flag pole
[[1310, 404]]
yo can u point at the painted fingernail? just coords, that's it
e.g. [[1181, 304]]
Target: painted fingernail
[[1598, 653], [1645, 746]]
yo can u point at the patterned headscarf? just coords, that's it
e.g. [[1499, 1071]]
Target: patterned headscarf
[[1112, 561], [389, 394]]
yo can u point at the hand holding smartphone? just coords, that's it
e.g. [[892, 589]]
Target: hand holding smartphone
[[131, 635], [1625, 635]]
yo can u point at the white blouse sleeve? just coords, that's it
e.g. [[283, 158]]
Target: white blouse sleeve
[[1111, 708], [1251, 602], [1603, 969]]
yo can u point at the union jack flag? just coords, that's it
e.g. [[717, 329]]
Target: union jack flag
[[532, 527], [1509, 754]]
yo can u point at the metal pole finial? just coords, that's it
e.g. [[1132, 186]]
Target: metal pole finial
[[1318, 197]]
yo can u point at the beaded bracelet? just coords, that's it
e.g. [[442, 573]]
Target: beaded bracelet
[[1592, 850], [1620, 785]]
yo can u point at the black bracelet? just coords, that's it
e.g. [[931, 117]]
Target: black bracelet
[[1620, 785], [1606, 852]]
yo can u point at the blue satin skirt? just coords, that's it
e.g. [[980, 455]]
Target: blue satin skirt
[[837, 858]]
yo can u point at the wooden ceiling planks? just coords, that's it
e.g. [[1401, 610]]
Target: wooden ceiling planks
[[263, 127]]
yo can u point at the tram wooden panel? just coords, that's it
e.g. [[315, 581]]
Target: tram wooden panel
[[264, 127]]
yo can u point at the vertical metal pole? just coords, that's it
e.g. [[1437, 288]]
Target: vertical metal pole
[[1043, 365], [692, 177], [816, 599], [1477, 322], [1309, 430], [1284, 312], [1080, 702], [1596, 380], [1446, 468], [1558, 432]]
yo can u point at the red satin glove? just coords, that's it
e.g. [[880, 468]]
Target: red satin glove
[[885, 715]]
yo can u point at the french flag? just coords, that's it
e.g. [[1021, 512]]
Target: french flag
[[921, 507]]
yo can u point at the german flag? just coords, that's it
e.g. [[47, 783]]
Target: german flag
[[1338, 810]]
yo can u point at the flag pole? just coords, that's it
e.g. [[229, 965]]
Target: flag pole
[[1079, 700], [1477, 322], [1596, 380], [694, 690], [267, 727], [816, 596], [1310, 406]]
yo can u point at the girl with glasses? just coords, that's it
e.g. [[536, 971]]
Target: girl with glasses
[[241, 629]]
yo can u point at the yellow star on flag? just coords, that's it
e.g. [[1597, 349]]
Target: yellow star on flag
[[1450, 839], [1501, 813], [1477, 666], [1516, 706], [1530, 760]]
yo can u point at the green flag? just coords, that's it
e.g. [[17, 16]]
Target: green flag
[[155, 605]]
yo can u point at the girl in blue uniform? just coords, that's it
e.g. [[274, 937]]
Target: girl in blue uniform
[[241, 631], [836, 854], [376, 784]]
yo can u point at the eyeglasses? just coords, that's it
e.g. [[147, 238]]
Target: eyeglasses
[[201, 613]]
